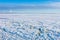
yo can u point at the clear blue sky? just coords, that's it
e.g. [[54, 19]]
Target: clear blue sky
[[47, 5], [28, 1]]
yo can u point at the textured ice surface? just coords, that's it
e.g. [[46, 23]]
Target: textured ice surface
[[29, 27]]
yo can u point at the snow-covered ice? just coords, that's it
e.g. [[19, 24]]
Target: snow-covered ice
[[29, 26]]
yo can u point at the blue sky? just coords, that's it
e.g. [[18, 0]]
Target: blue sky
[[44, 3], [50, 5], [28, 1]]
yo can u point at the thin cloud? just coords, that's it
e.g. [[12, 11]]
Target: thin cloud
[[55, 5]]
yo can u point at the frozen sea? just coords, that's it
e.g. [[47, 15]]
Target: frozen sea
[[29, 25]]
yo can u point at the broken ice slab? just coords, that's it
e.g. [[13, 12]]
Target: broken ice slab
[[29, 27]]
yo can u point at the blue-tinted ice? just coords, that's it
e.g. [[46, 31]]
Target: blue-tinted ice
[[29, 27]]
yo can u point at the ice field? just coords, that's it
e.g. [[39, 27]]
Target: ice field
[[29, 26]]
